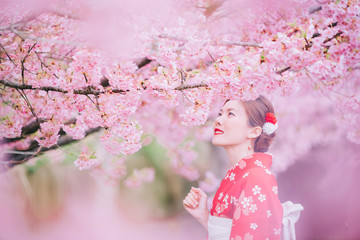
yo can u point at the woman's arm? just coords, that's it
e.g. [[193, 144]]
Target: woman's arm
[[196, 204]]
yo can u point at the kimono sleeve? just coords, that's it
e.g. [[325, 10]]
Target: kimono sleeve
[[258, 211]]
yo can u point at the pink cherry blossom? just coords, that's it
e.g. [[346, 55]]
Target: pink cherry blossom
[[139, 177], [49, 133], [86, 160], [164, 69]]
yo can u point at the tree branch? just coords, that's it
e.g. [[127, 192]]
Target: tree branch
[[243, 44], [24, 36], [30, 129], [226, 43], [55, 89], [315, 9], [7, 54], [335, 36], [28, 103], [183, 87], [44, 64], [87, 91], [14, 157], [58, 57], [143, 62], [283, 70]]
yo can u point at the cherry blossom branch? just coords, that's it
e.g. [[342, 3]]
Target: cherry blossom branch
[[19, 156], [143, 62], [21, 153], [176, 38], [315, 9], [7, 54], [87, 91], [243, 44], [96, 104], [24, 153], [30, 129], [25, 131], [327, 85], [43, 64], [58, 57], [23, 62], [283, 70], [215, 42], [23, 95], [182, 76], [24, 36], [55, 89], [183, 87], [335, 36], [211, 56]]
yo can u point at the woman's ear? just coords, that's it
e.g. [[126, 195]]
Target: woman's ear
[[255, 132]]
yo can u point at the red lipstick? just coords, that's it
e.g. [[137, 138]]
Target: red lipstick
[[218, 131]]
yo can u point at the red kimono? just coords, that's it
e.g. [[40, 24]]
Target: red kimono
[[249, 196]]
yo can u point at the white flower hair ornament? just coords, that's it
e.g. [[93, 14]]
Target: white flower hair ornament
[[271, 124]]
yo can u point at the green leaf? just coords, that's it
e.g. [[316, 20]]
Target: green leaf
[[4, 118], [292, 24], [92, 156], [31, 169], [303, 34]]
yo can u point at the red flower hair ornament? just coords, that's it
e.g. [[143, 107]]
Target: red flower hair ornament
[[271, 124]]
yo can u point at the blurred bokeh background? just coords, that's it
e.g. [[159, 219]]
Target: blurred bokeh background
[[49, 198]]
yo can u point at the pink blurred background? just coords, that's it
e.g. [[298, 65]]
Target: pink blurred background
[[87, 210]]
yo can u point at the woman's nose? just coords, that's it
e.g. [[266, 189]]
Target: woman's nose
[[218, 121]]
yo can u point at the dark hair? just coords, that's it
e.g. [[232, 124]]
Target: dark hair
[[256, 111]]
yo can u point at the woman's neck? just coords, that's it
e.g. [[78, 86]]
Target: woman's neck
[[235, 153]]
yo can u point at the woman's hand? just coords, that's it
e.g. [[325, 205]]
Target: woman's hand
[[196, 204]]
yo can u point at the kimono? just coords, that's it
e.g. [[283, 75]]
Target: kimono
[[247, 201]]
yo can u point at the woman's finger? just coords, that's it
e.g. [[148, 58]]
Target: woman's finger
[[195, 195], [187, 204], [199, 191], [191, 200]]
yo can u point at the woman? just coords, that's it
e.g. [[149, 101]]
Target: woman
[[246, 205]]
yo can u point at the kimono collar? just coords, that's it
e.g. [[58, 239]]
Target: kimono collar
[[263, 159]]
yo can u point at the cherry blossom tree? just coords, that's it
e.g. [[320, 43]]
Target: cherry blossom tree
[[129, 69]]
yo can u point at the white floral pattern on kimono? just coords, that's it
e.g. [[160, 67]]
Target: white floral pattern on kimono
[[249, 195]]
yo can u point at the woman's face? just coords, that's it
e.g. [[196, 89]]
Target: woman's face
[[231, 125]]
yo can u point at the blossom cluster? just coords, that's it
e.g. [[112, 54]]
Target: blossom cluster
[[86, 161], [54, 77]]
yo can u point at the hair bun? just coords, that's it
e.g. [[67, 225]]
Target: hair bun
[[260, 112]]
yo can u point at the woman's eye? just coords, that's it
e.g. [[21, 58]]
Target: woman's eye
[[230, 113], [219, 114]]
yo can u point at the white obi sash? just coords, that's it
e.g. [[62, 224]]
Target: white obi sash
[[219, 228], [291, 214]]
